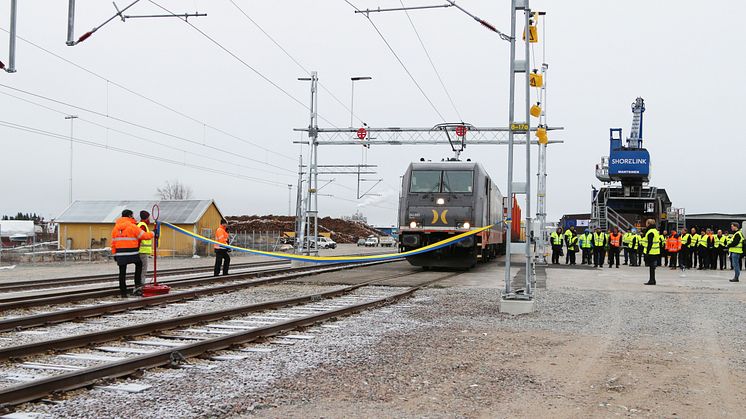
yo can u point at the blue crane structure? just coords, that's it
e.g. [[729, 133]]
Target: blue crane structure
[[626, 200]]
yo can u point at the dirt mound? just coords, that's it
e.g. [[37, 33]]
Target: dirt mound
[[342, 231]]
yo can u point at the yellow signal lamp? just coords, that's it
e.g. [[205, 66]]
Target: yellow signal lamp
[[541, 134], [535, 110]]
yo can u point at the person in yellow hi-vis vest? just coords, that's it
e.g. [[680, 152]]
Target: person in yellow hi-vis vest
[[146, 246], [735, 246], [652, 249]]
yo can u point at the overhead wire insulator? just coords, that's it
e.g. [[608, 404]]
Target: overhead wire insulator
[[487, 25], [85, 36]]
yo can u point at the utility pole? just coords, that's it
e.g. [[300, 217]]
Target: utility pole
[[290, 199], [311, 216], [12, 39], [71, 118], [516, 67]]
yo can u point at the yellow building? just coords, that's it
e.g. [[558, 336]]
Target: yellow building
[[88, 224]]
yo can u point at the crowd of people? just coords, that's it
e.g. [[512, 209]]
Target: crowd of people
[[688, 249]]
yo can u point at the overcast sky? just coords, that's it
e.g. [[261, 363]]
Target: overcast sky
[[684, 60]]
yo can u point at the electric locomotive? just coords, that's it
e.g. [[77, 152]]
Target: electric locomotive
[[442, 199]]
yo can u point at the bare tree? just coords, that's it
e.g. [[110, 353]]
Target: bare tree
[[174, 191]]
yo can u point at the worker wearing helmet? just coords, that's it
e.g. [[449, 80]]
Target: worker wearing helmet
[[125, 247], [222, 254], [652, 249]]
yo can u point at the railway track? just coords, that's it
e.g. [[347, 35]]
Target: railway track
[[170, 342], [92, 279], [87, 311], [64, 296]]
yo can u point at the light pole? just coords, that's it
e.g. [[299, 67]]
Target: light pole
[[71, 118], [290, 199], [352, 97]]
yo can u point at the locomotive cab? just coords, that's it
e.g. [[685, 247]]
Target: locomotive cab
[[442, 199]]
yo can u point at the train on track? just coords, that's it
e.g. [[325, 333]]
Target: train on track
[[442, 199]]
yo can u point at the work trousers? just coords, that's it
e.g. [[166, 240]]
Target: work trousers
[[695, 255], [598, 256], [123, 262], [144, 260], [735, 259], [613, 256], [720, 253], [627, 250], [567, 255], [587, 256], [556, 250], [571, 255], [633, 258], [652, 262], [639, 256], [684, 260], [672, 256], [664, 258], [222, 258], [703, 254]]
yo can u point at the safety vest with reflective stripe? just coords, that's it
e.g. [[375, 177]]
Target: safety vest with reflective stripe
[[556, 238], [615, 239], [568, 236], [684, 238], [721, 241], [573, 243], [586, 240], [655, 247], [634, 242], [221, 236], [673, 244], [599, 239], [146, 246], [703, 240], [695, 240], [126, 236], [739, 248], [627, 239]]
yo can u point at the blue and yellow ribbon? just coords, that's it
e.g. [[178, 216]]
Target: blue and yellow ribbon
[[334, 259]]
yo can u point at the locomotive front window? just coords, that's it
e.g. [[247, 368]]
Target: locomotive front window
[[458, 181], [425, 181]]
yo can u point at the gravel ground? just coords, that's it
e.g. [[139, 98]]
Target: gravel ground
[[599, 346]]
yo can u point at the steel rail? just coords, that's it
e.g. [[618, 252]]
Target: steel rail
[[101, 309], [61, 297], [88, 279], [77, 341], [34, 390]]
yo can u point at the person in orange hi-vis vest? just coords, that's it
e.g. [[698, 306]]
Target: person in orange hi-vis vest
[[615, 246], [125, 247], [222, 254], [673, 246]]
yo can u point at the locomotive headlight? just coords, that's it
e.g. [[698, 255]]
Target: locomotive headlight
[[440, 201], [413, 224], [467, 225]]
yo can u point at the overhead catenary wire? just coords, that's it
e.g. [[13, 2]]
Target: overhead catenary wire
[[414, 80], [292, 58], [151, 100], [149, 140], [68, 138], [124, 121], [242, 61], [432, 64]]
